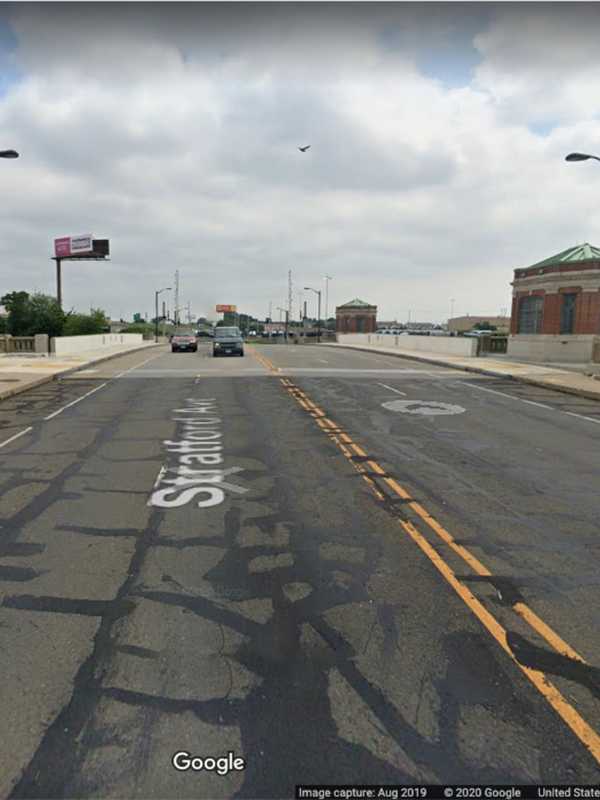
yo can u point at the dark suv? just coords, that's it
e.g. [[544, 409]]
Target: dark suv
[[228, 342]]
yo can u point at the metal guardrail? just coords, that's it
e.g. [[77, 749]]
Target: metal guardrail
[[492, 344]]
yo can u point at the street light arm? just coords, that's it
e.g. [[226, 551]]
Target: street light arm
[[580, 157]]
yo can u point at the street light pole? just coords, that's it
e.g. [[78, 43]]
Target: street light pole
[[327, 279], [287, 319], [156, 293], [318, 293]]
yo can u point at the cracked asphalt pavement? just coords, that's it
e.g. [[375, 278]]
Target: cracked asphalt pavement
[[340, 567]]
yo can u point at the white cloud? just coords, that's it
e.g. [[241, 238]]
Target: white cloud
[[173, 131]]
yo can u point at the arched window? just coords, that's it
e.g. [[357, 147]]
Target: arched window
[[530, 314]]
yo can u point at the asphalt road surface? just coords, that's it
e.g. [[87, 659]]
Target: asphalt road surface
[[338, 567]]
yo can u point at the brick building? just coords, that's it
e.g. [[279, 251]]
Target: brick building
[[556, 307], [356, 317]]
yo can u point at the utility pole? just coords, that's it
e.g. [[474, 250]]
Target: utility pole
[[290, 294]]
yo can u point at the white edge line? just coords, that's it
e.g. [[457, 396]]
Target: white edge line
[[74, 402], [16, 436], [580, 416], [141, 364], [532, 403], [391, 388], [503, 394], [101, 386]]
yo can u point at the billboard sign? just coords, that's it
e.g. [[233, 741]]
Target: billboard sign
[[227, 309], [67, 246]]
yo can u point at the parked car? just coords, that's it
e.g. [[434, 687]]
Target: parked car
[[184, 342], [228, 342]]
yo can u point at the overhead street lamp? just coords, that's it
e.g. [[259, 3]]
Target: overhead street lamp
[[8, 154], [317, 292], [580, 157], [156, 293]]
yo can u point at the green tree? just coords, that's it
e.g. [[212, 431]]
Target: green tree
[[19, 312], [46, 316], [103, 322], [483, 326], [80, 325]]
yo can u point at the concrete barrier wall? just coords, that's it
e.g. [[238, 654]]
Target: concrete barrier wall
[[70, 345], [553, 347], [444, 345]]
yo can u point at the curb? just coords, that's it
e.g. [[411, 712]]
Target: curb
[[480, 370], [6, 393]]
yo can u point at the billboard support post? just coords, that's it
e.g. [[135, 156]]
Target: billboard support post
[[58, 283], [77, 248]]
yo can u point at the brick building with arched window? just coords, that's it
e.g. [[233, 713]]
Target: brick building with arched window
[[556, 307]]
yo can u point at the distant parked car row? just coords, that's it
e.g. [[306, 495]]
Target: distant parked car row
[[409, 332]]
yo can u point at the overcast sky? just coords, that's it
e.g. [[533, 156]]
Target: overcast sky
[[438, 135]]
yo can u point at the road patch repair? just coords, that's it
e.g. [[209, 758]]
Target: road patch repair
[[426, 408], [180, 481]]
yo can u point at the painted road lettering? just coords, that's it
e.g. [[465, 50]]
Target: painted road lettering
[[192, 472]]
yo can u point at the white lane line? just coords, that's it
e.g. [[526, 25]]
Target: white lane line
[[153, 358], [391, 388], [589, 419], [510, 396], [357, 371], [16, 436], [322, 360], [74, 402]]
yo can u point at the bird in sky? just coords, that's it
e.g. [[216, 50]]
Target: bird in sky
[[304, 149]]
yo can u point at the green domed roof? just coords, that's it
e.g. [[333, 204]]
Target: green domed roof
[[581, 252]]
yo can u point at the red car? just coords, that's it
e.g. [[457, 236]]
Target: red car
[[182, 342]]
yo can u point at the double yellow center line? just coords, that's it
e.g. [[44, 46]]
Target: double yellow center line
[[584, 732]]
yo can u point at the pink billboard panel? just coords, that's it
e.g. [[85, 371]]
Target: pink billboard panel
[[73, 245], [62, 247]]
